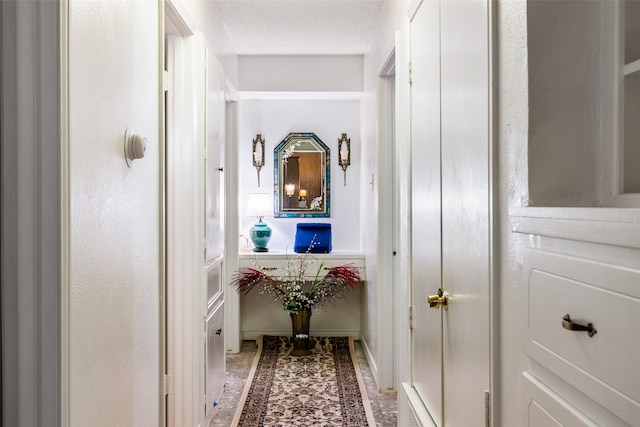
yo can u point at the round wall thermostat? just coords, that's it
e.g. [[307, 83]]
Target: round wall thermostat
[[135, 146]]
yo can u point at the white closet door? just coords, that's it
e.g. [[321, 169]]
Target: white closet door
[[466, 209], [426, 206], [450, 187]]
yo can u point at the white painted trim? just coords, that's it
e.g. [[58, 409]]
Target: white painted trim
[[402, 263], [253, 335], [299, 95], [368, 354], [418, 410], [579, 214], [388, 66], [230, 92], [386, 345], [413, 9], [180, 24], [610, 226], [183, 250], [162, 221], [494, 222], [233, 311]]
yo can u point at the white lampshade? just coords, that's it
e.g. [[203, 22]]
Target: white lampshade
[[259, 205]]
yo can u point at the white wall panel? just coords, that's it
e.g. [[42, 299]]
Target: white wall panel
[[115, 222], [300, 73]]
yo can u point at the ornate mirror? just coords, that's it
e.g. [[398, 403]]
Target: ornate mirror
[[301, 177]]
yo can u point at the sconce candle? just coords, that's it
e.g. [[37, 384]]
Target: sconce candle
[[344, 147], [258, 154]]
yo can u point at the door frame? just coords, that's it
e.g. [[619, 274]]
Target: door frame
[[181, 237], [385, 371]]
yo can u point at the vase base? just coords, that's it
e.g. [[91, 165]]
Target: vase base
[[300, 352]]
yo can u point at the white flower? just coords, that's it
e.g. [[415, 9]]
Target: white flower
[[315, 203]]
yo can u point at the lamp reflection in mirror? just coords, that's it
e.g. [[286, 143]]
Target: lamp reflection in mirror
[[344, 148], [302, 198], [258, 154], [259, 205], [290, 189]]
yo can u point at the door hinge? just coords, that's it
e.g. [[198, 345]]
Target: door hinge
[[165, 80], [487, 409], [168, 384], [410, 74], [410, 317]]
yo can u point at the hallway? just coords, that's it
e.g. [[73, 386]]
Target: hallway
[[492, 200], [384, 406]]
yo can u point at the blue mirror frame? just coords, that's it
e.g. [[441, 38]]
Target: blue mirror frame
[[304, 148]]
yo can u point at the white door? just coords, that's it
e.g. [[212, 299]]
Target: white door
[[426, 206], [451, 244]]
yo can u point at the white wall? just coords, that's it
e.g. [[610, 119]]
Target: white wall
[[512, 134], [378, 303], [300, 73], [114, 225], [206, 17], [328, 119]]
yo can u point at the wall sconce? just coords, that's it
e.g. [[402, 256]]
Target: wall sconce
[[258, 154], [344, 147], [290, 189]]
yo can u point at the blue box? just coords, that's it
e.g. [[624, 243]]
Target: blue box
[[318, 233]]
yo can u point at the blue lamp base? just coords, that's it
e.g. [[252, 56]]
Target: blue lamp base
[[260, 235]]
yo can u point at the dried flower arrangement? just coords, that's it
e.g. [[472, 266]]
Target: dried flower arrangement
[[296, 289]]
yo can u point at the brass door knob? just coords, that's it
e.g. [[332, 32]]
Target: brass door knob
[[438, 300]]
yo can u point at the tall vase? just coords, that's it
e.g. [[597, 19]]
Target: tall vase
[[300, 323]]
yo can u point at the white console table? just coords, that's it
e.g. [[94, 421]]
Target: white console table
[[263, 316]]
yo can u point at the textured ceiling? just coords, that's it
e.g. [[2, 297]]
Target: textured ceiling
[[299, 27]]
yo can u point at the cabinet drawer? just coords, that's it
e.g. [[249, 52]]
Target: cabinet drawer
[[544, 408], [214, 357], [604, 367]]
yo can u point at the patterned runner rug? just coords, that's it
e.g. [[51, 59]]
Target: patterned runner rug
[[322, 389]]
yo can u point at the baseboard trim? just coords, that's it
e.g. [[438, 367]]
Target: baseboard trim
[[252, 335], [416, 406], [372, 364]]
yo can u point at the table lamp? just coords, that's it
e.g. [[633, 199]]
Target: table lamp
[[259, 205]]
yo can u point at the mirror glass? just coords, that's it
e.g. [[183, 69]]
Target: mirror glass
[[301, 177]]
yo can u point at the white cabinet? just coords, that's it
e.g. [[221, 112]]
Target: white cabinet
[[263, 316], [214, 345], [215, 357], [573, 377]]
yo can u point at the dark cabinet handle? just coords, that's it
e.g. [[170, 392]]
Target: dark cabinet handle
[[568, 324], [219, 331]]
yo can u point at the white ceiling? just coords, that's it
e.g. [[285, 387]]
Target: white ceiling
[[300, 27]]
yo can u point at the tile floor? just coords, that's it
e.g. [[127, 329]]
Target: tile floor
[[384, 405]]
